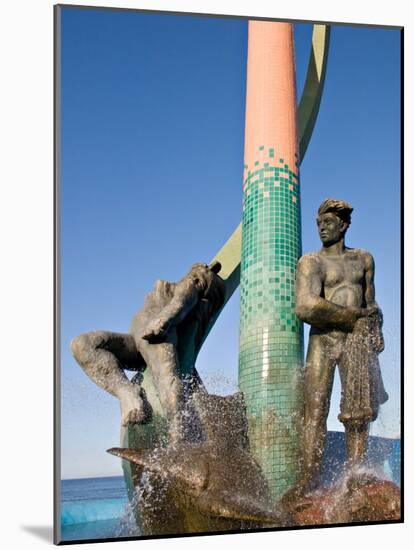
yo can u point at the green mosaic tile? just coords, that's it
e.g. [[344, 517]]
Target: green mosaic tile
[[268, 326]]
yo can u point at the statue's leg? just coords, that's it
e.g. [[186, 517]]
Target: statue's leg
[[356, 424], [162, 360], [356, 434], [104, 356], [319, 375]]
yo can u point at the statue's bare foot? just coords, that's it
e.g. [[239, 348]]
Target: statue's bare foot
[[134, 408], [133, 416]]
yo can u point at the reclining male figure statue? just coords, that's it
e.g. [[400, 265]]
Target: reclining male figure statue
[[169, 311]]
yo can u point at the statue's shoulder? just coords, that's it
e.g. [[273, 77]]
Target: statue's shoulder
[[363, 254], [311, 260]]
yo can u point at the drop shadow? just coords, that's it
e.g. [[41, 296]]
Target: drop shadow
[[43, 532]]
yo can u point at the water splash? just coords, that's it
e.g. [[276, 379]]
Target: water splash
[[128, 526], [219, 384], [145, 493]]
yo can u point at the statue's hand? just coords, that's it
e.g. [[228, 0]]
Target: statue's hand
[[373, 311], [353, 313], [156, 330]]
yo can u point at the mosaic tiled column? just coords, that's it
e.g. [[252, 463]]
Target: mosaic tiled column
[[271, 338]]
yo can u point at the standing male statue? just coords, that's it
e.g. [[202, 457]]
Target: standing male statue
[[335, 294]]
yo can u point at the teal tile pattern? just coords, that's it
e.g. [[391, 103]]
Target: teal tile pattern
[[271, 336]]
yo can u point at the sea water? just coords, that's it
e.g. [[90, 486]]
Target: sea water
[[93, 508]]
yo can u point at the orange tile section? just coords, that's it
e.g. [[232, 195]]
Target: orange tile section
[[271, 94]]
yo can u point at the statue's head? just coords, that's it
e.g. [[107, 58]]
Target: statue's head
[[206, 269], [333, 220], [206, 278]]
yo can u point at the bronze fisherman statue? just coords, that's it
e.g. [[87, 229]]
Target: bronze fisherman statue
[[335, 294]]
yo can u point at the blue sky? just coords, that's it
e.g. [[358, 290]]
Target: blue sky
[[151, 181]]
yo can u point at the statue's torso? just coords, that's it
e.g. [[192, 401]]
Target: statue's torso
[[343, 278], [343, 283]]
